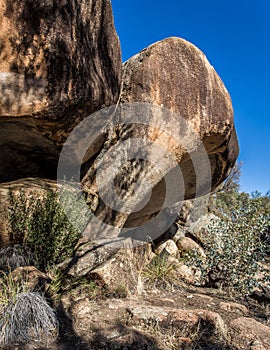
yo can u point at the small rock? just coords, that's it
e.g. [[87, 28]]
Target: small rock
[[187, 245], [31, 278], [232, 307], [188, 273], [191, 318], [147, 314], [179, 233], [169, 248]]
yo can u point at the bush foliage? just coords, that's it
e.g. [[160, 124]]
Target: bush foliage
[[233, 260], [42, 225]]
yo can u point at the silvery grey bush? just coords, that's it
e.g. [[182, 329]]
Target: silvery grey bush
[[26, 319]]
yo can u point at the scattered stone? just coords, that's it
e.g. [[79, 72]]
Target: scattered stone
[[179, 233], [189, 274]]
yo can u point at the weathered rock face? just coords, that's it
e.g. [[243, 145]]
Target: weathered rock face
[[173, 97], [59, 62], [199, 230], [175, 74], [195, 320]]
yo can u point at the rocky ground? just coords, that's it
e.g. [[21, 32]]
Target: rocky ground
[[146, 310], [175, 317]]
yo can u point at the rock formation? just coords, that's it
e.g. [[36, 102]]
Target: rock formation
[[171, 96], [59, 62], [175, 74], [167, 136], [170, 138]]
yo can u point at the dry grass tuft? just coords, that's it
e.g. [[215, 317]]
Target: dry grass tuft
[[15, 256]]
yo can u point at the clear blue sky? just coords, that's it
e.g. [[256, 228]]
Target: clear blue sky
[[235, 36]]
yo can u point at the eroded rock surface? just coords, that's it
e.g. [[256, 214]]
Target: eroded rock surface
[[163, 320], [171, 97], [59, 62], [175, 74], [248, 330]]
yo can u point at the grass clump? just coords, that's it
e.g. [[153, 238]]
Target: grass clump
[[160, 272], [9, 288], [27, 318], [62, 283]]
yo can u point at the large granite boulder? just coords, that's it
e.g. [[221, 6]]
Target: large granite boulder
[[175, 74], [171, 138], [59, 62]]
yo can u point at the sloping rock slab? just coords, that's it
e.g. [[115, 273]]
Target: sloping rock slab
[[247, 330]]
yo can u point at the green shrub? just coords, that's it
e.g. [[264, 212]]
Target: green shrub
[[42, 225], [232, 259], [27, 319]]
